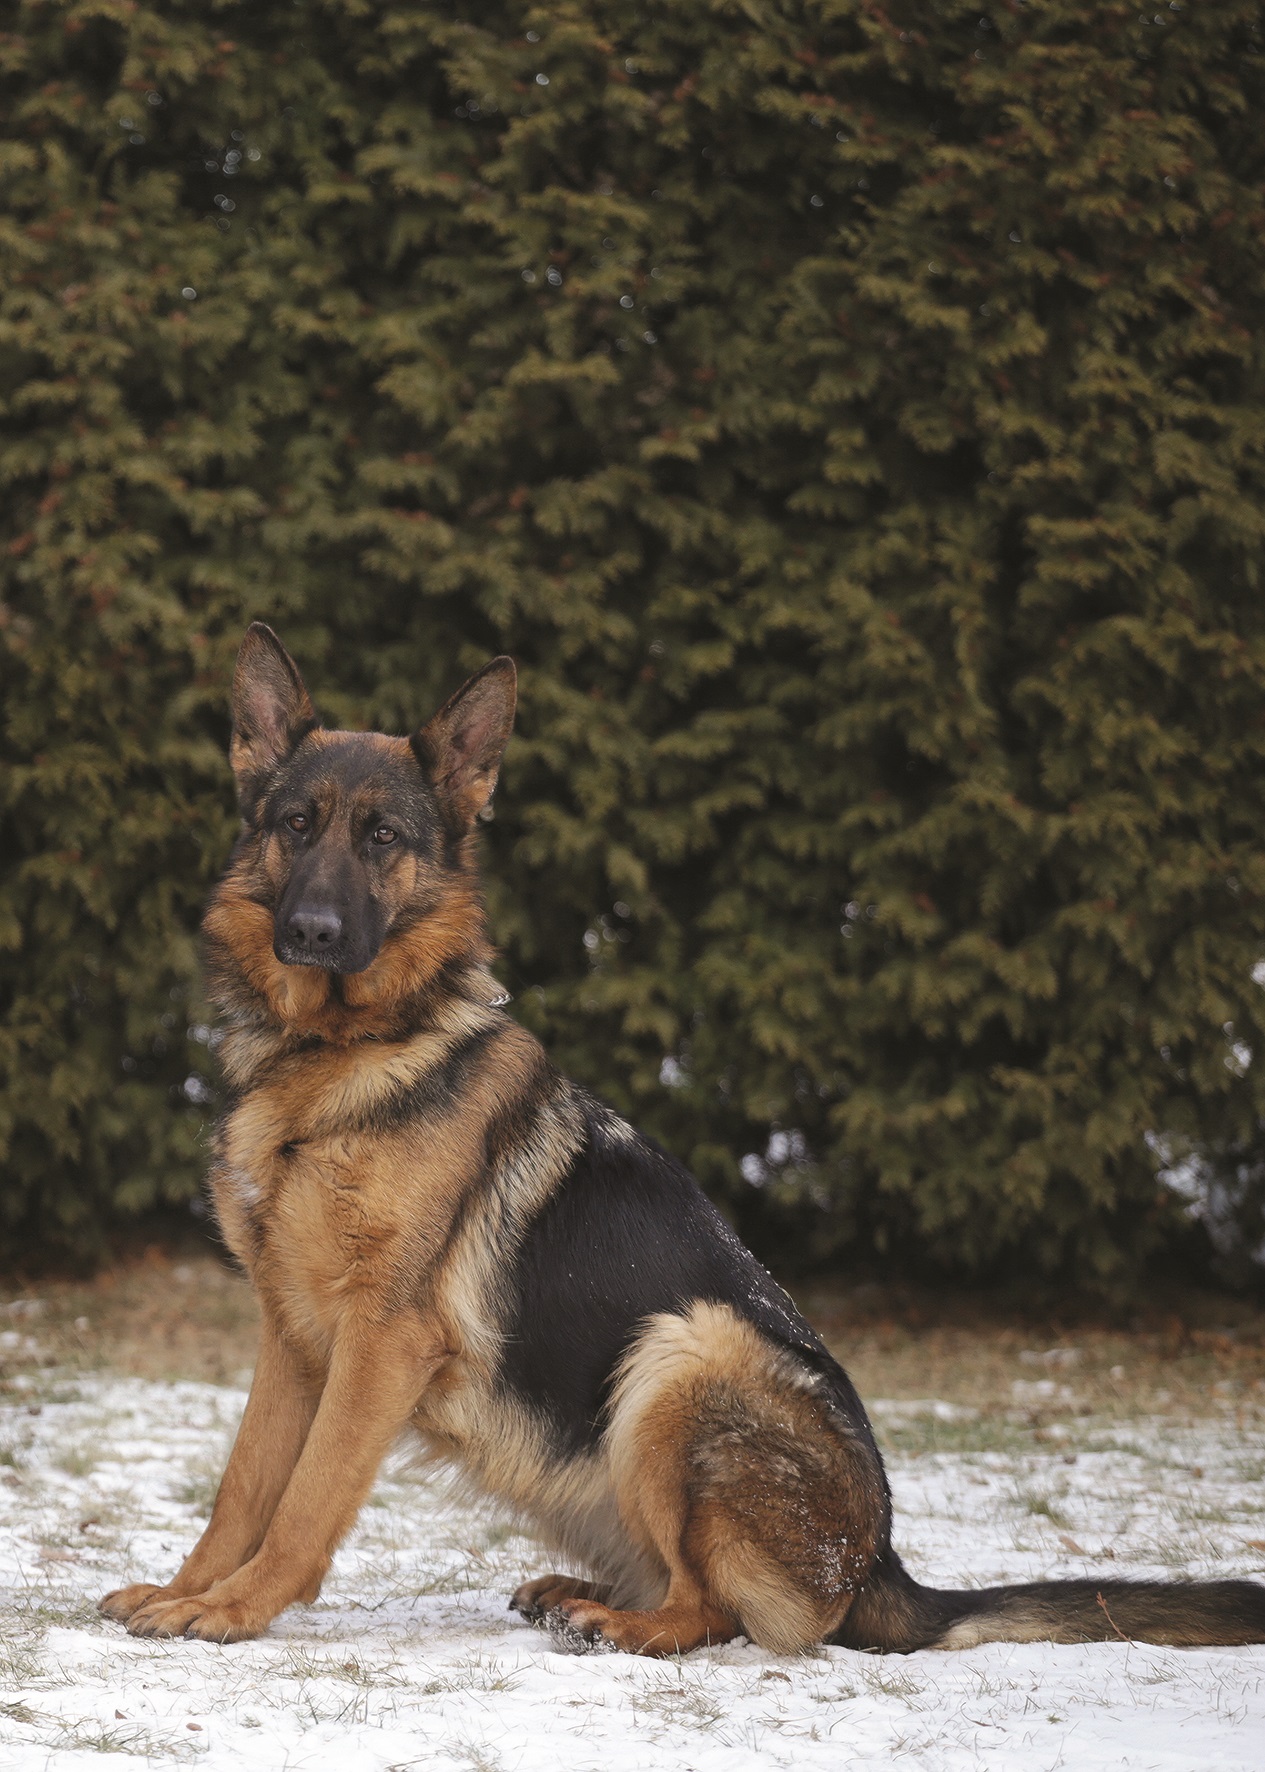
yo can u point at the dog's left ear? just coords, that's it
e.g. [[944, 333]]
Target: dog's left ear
[[460, 748]]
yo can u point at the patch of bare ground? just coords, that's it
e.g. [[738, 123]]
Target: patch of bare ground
[[184, 1314], [1012, 1383], [162, 1315]]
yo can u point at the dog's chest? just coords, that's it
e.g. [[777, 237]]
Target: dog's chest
[[312, 1222], [329, 1222]]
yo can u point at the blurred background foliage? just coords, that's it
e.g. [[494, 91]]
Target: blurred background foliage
[[849, 415]]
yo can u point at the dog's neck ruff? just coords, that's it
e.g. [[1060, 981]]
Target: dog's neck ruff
[[254, 1047], [268, 1006]]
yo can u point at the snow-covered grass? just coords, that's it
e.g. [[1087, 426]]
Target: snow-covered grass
[[410, 1658]]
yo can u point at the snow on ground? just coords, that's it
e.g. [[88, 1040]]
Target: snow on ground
[[410, 1658]]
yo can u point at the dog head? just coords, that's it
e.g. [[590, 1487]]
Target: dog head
[[352, 842]]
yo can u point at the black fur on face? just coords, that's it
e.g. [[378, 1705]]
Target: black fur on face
[[353, 833], [350, 822]]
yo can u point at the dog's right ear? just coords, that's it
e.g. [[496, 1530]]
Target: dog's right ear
[[271, 709]]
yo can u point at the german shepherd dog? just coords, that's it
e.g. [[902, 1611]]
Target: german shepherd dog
[[451, 1241]]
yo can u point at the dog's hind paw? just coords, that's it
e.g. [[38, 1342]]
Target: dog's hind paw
[[569, 1638], [534, 1600]]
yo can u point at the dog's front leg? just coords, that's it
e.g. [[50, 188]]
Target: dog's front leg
[[275, 1423], [376, 1376]]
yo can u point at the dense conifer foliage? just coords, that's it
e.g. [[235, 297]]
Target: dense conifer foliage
[[850, 416]]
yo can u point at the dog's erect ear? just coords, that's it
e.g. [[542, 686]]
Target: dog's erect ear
[[460, 748], [271, 709]]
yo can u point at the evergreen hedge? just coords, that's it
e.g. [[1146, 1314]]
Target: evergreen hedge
[[849, 415]]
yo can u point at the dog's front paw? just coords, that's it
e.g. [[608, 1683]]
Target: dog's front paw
[[124, 1601], [201, 1615]]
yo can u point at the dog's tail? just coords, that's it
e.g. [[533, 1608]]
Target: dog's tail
[[893, 1614]]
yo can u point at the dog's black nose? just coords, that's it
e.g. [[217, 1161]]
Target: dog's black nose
[[314, 927]]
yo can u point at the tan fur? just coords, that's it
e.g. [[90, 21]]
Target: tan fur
[[370, 1386], [971, 1632]]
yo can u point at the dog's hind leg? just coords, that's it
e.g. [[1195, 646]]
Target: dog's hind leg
[[735, 1471], [660, 1514], [278, 1414]]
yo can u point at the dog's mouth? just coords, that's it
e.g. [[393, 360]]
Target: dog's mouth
[[323, 942], [334, 963]]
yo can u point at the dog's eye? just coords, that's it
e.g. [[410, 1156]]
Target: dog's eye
[[298, 821], [384, 834]]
